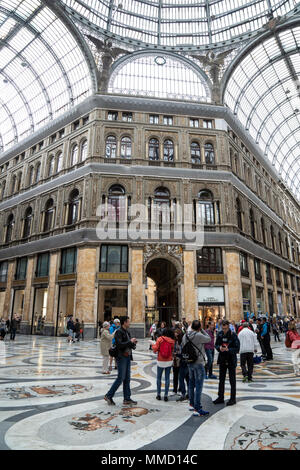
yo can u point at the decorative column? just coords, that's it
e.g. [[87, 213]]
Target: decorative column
[[8, 291], [85, 289], [190, 292], [51, 314], [28, 297], [275, 297], [266, 293], [233, 272], [137, 292], [252, 286]]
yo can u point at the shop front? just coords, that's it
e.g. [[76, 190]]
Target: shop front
[[66, 307], [39, 311], [260, 301], [246, 301], [211, 304]]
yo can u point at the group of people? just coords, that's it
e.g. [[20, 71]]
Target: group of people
[[9, 326], [74, 329], [188, 350]]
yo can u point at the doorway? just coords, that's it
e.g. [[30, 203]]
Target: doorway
[[165, 276]]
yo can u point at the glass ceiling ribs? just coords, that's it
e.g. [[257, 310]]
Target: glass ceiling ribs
[[177, 24], [43, 71], [158, 75], [263, 91]]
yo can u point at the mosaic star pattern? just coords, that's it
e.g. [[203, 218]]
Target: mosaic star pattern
[[51, 397]]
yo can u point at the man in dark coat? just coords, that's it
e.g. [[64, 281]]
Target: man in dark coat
[[228, 345], [124, 345]]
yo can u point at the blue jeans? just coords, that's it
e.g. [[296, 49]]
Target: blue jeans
[[167, 379], [210, 360], [123, 364], [196, 379], [183, 375]]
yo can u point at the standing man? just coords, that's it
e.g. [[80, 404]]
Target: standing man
[[13, 327], [265, 336], [248, 346], [227, 345], [197, 338], [210, 350], [114, 326], [259, 328], [124, 346], [70, 328]]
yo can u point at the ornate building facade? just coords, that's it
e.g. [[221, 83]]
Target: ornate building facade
[[113, 152]]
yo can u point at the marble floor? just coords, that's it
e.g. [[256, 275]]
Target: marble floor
[[51, 397]]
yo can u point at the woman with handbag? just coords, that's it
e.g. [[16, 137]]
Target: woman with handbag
[[105, 344], [292, 340]]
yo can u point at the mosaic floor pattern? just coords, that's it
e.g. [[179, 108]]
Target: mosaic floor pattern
[[51, 397]]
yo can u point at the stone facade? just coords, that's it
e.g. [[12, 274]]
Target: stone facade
[[266, 226]]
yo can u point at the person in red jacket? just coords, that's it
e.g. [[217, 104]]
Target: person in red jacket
[[164, 346], [292, 340]]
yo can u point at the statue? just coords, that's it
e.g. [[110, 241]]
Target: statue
[[213, 63], [109, 54]]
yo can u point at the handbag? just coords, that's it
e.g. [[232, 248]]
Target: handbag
[[113, 351], [257, 359]]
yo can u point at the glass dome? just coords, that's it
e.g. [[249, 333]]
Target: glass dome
[[177, 24]]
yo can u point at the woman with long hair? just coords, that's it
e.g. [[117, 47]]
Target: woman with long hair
[[164, 347]]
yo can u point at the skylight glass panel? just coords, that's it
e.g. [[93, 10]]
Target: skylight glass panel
[[43, 71]]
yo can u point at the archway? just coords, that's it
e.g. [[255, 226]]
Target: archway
[[165, 276]]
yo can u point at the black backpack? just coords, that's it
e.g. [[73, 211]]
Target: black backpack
[[189, 354]]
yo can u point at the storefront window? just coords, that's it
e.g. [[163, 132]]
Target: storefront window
[[65, 308], [246, 301], [260, 301], [39, 311]]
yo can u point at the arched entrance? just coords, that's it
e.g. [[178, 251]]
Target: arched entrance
[[165, 276]]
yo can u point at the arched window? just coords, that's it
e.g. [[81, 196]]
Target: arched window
[[111, 147], [153, 149], [195, 153], [209, 154], [280, 243], [13, 184], [168, 150], [49, 211], [273, 238], [239, 214], [74, 155], [83, 151], [206, 214], [18, 187], [9, 228], [3, 189], [116, 203], [73, 212], [287, 248], [27, 222], [263, 230], [37, 173], [59, 162], [30, 176], [252, 223], [51, 165], [126, 147], [162, 206]]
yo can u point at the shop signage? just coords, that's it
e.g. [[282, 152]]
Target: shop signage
[[210, 295]]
